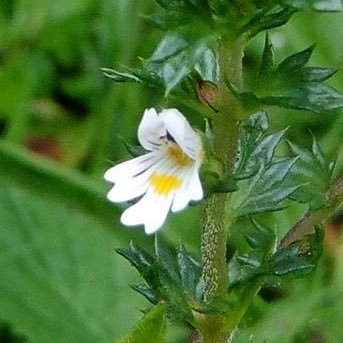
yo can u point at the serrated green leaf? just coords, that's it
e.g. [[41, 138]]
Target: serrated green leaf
[[178, 54], [265, 191], [299, 258], [265, 20], [151, 326], [295, 61], [145, 264], [295, 260], [166, 258], [137, 256], [169, 46], [190, 271], [313, 173], [315, 74], [313, 96], [293, 85], [262, 238], [146, 291], [255, 149]]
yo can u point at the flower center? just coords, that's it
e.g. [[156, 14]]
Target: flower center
[[163, 183], [178, 155]]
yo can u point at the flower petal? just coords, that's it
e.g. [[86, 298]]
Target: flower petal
[[178, 127], [195, 190], [151, 211], [131, 188], [182, 196], [132, 167], [150, 130]]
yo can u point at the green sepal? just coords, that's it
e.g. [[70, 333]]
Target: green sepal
[[212, 174], [153, 324], [133, 150]]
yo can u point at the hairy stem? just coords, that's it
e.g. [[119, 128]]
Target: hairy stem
[[315, 217], [215, 219]]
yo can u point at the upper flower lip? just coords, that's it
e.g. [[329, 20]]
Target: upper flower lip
[[169, 122], [166, 177]]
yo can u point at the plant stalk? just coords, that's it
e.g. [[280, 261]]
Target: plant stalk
[[316, 217], [216, 221]]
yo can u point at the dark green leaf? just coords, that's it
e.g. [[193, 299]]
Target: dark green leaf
[[167, 259], [313, 173], [153, 324], [299, 258], [295, 260], [145, 264], [178, 54], [146, 291], [262, 238], [313, 96], [267, 62], [263, 20], [293, 85], [137, 256], [315, 74], [255, 149], [267, 189], [295, 62], [190, 271]]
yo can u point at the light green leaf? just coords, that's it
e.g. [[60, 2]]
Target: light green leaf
[[317, 5], [60, 278], [151, 328]]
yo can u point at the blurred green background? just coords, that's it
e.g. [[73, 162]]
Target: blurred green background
[[60, 123]]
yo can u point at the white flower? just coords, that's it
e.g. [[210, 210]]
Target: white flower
[[166, 177]]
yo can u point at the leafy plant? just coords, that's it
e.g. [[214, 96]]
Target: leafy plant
[[271, 216]]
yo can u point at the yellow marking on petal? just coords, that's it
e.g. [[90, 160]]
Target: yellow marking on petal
[[178, 155], [163, 183]]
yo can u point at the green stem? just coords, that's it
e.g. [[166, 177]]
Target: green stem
[[216, 222], [316, 217]]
